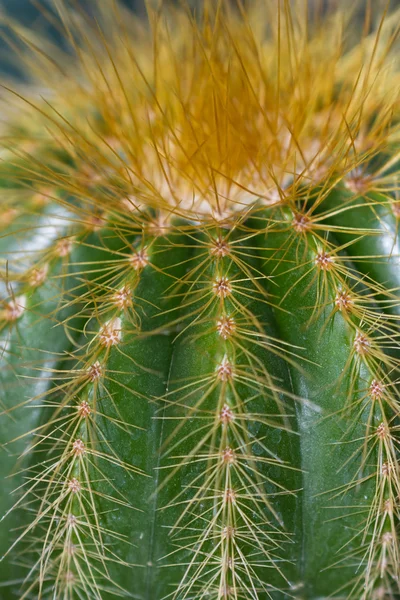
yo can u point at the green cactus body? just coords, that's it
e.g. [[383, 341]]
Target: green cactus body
[[199, 327]]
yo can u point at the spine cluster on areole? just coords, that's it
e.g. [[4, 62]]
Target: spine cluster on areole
[[229, 456], [198, 133], [236, 530], [63, 489], [223, 283], [373, 334], [87, 444]]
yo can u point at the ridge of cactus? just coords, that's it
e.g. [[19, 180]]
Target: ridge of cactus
[[199, 318]]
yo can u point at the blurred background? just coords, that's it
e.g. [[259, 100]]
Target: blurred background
[[28, 13]]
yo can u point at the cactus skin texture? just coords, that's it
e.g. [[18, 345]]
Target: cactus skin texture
[[199, 328]]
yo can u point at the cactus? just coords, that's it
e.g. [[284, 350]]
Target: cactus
[[199, 327]]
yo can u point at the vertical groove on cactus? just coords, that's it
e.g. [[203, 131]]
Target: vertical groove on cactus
[[199, 322]]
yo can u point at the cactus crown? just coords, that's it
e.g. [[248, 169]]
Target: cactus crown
[[199, 329]]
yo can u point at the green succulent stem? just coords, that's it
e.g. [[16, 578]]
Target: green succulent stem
[[199, 306]]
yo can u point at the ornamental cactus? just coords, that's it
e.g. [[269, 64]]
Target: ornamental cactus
[[199, 326]]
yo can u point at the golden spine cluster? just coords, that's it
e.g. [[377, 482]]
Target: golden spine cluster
[[213, 129]]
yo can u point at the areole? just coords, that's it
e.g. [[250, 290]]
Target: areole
[[200, 312]]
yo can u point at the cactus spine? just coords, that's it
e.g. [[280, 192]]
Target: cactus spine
[[200, 301]]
